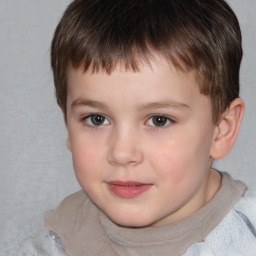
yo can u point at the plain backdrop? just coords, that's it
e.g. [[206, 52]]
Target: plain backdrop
[[35, 166]]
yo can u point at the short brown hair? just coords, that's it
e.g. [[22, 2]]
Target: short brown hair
[[199, 35]]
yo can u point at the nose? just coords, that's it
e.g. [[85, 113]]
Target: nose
[[124, 149]]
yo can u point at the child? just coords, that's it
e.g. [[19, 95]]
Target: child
[[149, 90]]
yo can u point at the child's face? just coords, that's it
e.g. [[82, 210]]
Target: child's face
[[141, 142]]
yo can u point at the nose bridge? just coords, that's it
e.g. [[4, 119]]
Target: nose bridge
[[124, 146]]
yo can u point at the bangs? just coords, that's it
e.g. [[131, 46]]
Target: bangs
[[105, 33]]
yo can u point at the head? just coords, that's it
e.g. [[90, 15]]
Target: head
[[149, 91]]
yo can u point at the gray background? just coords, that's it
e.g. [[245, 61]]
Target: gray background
[[35, 166]]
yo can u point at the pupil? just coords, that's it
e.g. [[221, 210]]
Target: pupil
[[97, 119], [159, 120]]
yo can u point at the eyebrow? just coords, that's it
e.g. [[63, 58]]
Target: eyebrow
[[87, 102], [142, 107], [164, 104]]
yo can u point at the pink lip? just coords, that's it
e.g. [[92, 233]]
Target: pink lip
[[128, 189]]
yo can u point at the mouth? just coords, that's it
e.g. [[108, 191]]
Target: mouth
[[128, 189]]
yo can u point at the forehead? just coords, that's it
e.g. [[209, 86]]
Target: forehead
[[148, 71], [155, 82]]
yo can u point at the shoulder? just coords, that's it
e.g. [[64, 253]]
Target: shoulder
[[66, 212], [45, 243], [235, 234], [246, 207]]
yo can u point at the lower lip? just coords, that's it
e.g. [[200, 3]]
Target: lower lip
[[128, 191]]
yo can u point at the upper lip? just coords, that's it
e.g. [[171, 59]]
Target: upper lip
[[127, 183]]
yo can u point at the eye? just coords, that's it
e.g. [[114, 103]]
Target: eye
[[159, 121], [96, 120]]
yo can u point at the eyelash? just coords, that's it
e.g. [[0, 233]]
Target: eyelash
[[164, 126]]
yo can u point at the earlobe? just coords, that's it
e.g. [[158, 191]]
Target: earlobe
[[226, 130], [68, 144]]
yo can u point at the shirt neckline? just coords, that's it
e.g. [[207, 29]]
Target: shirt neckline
[[182, 234]]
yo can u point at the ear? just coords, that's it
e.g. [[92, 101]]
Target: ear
[[226, 130]]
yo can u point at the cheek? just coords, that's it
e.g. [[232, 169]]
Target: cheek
[[180, 157], [87, 156]]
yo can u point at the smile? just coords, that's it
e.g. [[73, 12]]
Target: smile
[[127, 189]]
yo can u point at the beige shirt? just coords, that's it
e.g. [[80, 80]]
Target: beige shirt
[[86, 230]]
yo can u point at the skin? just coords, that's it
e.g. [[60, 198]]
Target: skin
[[174, 158]]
